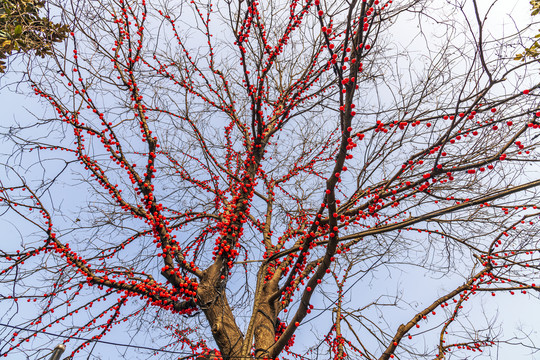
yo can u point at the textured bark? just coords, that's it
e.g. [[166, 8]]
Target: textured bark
[[213, 302], [265, 322]]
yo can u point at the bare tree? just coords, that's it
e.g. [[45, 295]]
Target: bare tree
[[244, 179]]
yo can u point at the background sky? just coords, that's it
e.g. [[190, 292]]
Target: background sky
[[519, 314]]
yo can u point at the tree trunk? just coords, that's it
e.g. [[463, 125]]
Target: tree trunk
[[213, 302]]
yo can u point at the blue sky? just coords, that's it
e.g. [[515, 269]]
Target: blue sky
[[512, 311]]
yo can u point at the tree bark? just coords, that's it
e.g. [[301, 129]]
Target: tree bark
[[265, 322], [213, 302]]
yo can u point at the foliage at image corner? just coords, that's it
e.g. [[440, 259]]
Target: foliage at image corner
[[22, 29], [534, 50]]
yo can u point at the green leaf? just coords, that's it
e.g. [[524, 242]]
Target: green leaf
[[18, 30]]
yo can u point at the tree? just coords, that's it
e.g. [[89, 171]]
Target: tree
[[534, 50], [221, 178], [22, 29]]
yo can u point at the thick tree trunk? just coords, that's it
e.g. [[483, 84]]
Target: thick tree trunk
[[265, 317], [213, 301], [265, 328]]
